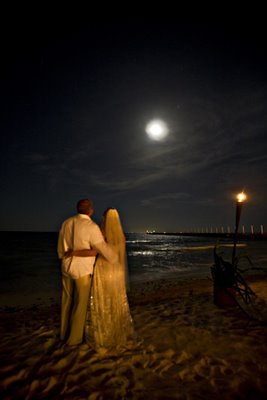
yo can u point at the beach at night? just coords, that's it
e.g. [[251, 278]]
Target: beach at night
[[156, 127], [186, 347]]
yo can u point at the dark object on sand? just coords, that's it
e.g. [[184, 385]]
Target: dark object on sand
[[230, 287]]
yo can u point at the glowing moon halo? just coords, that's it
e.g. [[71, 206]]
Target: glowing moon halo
[[157, 129]]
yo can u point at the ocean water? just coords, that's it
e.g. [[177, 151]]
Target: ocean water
[[30, 269], [152, 257]]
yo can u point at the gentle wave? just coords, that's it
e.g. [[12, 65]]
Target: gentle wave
[[211, 247]]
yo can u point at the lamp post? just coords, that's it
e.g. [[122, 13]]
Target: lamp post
[[240, 198]]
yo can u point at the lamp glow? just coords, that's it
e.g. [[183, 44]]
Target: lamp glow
[[241, 197]]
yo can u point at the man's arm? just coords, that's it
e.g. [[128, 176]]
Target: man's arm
[[107, 252], [80, 253], [60, 243]]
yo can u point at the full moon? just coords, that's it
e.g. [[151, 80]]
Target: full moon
[[157, 129]]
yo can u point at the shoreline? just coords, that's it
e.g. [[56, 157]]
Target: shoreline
[[140, 291], [231, 235]]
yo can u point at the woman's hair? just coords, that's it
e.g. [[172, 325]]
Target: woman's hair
[[111, 227]]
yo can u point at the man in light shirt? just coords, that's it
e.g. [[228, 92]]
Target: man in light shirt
[[78, 233]]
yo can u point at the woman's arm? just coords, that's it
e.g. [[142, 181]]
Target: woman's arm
[[80, 253]]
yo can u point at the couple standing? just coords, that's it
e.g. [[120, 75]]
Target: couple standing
[[94, 279]]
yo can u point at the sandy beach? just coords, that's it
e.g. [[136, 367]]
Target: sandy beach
[[186, 348]]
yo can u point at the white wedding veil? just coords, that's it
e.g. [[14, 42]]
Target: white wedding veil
[[114, 235], [111, 227]]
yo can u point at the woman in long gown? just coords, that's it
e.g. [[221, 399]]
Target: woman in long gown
[[110, 324]]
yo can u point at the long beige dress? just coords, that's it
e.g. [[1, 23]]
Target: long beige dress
[[109, 323]]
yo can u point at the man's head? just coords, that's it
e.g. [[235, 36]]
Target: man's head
[[85, 206]]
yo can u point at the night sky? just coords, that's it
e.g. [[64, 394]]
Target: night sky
[[75, 101]]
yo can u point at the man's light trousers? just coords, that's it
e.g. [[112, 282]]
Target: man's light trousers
[[74, 303]]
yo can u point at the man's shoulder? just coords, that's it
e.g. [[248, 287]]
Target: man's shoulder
[[95, 231], [92, 224], [69, 220], [81, 221]]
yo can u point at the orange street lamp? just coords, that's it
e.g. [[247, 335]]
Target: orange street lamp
[[240, 198]]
